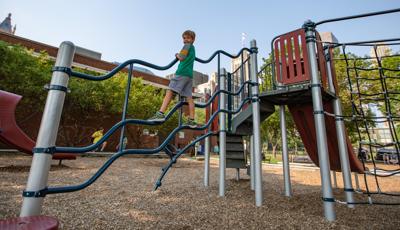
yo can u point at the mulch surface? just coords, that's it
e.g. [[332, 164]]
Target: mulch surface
[[123, 198]]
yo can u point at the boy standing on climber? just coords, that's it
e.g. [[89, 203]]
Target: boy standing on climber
[[182, 82]]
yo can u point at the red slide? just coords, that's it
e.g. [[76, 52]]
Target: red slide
[[11, 134], [303, 117]]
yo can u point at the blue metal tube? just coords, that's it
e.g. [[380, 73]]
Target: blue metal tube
[[229, 80], [127, 91], [150, 65], [219, 71], [65, 189], [173, 160], [242, 73], [142, 122]]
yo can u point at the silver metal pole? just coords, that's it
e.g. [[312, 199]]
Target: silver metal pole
[[41, 162], [256, 125], [252, 162], [341, 136], [334, 179], [222, 135], [319, 119], [285, 154], [357, 182], [207, 146]]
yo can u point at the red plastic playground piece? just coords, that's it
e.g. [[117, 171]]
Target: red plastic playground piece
[[290, 50], [291, 58], [30, 223], [11, 134], [303, 116]]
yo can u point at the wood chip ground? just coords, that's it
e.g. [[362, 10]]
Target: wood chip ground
[[123, 198]]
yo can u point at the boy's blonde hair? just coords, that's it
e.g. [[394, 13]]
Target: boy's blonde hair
[[189, 33]]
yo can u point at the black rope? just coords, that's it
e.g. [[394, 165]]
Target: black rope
[[360, 96], [358, 16], [354, 111]]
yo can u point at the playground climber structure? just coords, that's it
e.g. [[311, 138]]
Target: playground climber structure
[[302, 78]]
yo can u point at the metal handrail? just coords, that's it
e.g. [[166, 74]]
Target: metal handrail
[[150, 65], [124, 122], [358, 16], [146, 122], [65, 189]]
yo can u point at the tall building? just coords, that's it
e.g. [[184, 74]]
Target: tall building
[[328, 37], [198, 78], [381, 132], [6, 26], [381, 50]]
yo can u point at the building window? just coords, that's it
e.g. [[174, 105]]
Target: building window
[[181, 135]]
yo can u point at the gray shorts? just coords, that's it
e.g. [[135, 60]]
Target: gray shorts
[[181, 85]]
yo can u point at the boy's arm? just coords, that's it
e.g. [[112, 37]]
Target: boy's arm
[[183, 53]]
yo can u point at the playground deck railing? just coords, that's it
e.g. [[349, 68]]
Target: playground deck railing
[[62, 71]]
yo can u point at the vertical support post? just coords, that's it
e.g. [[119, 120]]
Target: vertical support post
[[242, 80], [230, 102], [319, 119], [334, 179], [41, 162], [357, 182], [252, 162], [126, 101], [341, 134], [256, 124], [207, 145], [222, 134], [285, 153], [237, 174]]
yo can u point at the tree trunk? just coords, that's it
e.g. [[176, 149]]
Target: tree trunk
[[274, 150]]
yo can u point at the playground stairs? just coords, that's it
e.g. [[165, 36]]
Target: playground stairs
[[235, 152], [242, 123]]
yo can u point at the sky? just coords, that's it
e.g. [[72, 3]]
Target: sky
[[151, 30]]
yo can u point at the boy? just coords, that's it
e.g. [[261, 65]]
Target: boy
[[96, 136], [182, 81]]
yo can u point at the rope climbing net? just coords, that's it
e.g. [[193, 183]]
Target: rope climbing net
[[370, 91]]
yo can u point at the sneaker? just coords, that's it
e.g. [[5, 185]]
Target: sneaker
[[191, 123], [158, 116]]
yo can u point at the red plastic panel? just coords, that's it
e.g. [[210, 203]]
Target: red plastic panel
[[291, 58], [30, 222], [304, 120], [11, 134]]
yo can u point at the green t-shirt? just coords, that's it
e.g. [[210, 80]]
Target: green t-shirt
[[185, 67]]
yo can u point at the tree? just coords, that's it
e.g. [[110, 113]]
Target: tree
[[23, 73]]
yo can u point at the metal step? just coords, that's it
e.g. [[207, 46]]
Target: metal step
[[242, 123], [233, 163], [235, 155], [232, 138], [234, 147]]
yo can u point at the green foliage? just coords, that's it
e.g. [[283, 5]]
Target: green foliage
[[24, 73], [273, 161], [200, 115]]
